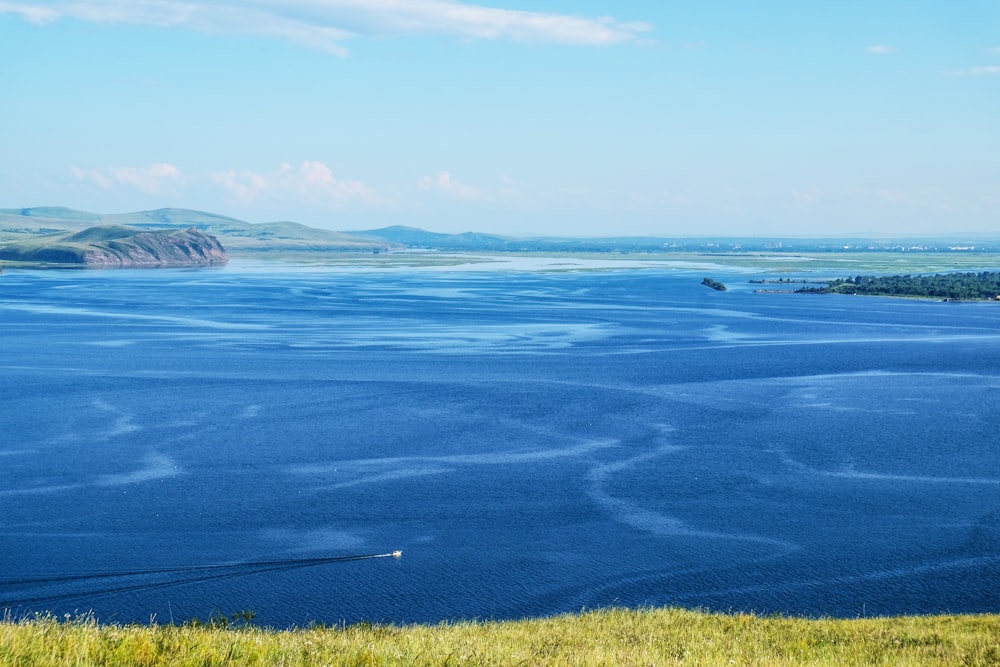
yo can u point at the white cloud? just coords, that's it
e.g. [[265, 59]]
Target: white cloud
[[981, 71], [32, 13], [879, 50], [443, 182], [155, 179], [806, 195], [312, 181], [891, 196], [479, 22], [986, 70], [325, 24]]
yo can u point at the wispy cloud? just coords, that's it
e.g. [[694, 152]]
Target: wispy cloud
[[980, 70], [444, 183], [154, 179], [477, 21], [890, 196], [313, 181], [806, 195], [326, 24], [985, 70], [879, 50], [32, 13]]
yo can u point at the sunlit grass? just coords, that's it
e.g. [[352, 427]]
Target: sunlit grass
[[609, 637]]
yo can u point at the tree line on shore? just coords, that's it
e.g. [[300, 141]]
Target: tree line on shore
[[957, 286]]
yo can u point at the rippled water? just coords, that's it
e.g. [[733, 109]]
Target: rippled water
[[534, 443]]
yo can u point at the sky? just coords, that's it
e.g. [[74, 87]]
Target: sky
[[525, 118]]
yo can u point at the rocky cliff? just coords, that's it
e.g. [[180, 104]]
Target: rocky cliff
[[120, 247]]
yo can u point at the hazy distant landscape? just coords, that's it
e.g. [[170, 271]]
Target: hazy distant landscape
[[290, 240], [53, 237]]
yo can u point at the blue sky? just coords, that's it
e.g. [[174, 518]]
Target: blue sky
[[587, 118]]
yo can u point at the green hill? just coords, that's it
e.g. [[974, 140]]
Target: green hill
[[118, 246], [103, 233], [413, 237], [238, 236], [53, 213]]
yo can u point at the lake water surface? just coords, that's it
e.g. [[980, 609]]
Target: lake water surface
[[533, 442]]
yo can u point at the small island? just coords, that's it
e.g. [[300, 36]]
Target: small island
[[714, 284], [116, 246]]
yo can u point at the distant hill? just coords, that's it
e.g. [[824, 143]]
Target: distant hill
[[285, 238], [238, 236], [118, 246], [53, 213], [413, 237], [709, 245]]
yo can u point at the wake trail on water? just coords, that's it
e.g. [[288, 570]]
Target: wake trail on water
[[187, 575]]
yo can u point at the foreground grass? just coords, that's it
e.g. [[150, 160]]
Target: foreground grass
[[609, 637]]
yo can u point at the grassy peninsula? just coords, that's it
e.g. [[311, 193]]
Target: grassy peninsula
[[117, 246], [608, 637]]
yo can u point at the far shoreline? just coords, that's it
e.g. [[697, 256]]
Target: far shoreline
[[780, 269]]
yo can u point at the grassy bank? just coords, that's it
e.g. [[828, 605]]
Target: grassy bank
[[611, 637]]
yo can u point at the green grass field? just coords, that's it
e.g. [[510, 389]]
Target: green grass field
[[609, 637]]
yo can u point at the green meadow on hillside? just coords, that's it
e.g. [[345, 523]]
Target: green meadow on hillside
[[608, 637]]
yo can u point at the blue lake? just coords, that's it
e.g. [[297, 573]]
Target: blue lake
[[534, 443]]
